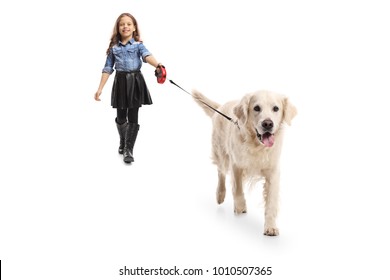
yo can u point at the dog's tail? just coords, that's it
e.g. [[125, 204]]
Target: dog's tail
[[203, 100]]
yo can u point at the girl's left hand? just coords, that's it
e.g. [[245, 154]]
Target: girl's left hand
[[160, 73], [158, 69]]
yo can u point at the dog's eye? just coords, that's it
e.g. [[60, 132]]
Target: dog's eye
[[276, 108], [257, 108]]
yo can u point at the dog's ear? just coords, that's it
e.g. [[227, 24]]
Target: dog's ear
[[241, 110], [289, 111]]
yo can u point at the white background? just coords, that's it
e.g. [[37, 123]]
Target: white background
[[71, 209]]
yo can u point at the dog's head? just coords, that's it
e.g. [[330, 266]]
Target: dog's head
[[263, 113]]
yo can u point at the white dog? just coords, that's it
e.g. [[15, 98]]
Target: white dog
[[250, 149]]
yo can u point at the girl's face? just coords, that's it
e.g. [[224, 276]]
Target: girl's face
[[126, 27]]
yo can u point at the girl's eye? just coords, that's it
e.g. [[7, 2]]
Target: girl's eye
[[257, 108], [276, 109]]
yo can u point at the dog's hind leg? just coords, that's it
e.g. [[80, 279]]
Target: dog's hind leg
[[221, 189], [238, 193]]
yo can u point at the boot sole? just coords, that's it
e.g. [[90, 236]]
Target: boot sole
[[128, 160]]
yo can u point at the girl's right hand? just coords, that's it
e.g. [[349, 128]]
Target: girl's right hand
[[97, 95]]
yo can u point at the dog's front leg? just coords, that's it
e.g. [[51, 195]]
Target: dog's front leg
[[221, 189], [271, 198], [238, 193]]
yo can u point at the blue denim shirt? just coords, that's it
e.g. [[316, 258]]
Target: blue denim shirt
[[126, 57]]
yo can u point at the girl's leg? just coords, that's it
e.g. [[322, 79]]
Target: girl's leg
[[121, 125], [132, 115], [121, 115], [131, 134]]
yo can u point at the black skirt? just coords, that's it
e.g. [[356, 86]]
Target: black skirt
[[129, 90]]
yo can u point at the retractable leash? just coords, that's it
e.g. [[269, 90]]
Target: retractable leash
[[161, 77], [212, 108]]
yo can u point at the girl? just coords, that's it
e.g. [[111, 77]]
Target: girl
[[129, 90]]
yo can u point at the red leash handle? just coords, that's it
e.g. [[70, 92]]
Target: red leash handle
[[161, 75]]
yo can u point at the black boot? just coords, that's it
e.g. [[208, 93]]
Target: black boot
[[122, 132], [130, 137]]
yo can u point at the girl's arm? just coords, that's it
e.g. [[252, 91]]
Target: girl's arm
[[152, 61], [103, 81]]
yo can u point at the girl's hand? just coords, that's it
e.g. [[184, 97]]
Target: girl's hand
[[158, 69], [160, 73], [97, 95]]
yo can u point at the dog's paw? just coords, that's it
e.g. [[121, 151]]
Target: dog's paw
[[271, 231], [238, 211], [239, 206], [221, 196]]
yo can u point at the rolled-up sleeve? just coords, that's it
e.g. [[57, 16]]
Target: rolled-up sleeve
[[144, 51], [109, 65]]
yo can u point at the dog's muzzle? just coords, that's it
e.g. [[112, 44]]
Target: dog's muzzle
[[267, 139]]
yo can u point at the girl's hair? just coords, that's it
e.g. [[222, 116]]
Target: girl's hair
[[116, 37]]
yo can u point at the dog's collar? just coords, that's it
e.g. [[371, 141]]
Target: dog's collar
[[236, 123]]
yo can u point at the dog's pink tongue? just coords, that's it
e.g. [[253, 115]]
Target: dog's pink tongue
[[269, 141]]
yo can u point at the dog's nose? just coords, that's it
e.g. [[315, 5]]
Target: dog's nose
[[267, 125]]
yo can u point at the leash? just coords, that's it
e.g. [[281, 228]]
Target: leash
[[212, 108]]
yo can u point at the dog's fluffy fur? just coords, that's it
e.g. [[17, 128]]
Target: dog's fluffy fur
[[250, 150]]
